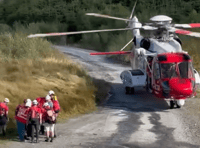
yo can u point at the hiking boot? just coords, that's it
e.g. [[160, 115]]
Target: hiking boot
[[22, 140], [47, 140], [26, 138], [31, 140], [51, 140]]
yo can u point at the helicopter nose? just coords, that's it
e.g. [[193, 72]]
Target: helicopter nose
[[181, 87]]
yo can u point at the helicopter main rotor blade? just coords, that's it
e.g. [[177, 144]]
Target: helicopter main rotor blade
[[106, 16], [192, 25], [146, 27], [186, 32], [76, 32], [131, 16], [127, 44], [110, 53]]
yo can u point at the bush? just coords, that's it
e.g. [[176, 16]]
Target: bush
[[18, 46]]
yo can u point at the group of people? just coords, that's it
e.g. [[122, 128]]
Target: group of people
[[34, 116]]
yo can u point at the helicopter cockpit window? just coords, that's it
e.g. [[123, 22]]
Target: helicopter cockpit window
[[156, 71], [168, 70], [186, 70]]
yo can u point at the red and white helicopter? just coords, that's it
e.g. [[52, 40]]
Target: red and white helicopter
[[158, 62]]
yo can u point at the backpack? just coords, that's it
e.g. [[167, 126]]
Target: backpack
[[35, 114], [51, 116]]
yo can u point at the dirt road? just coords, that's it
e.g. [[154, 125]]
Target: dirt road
[[138, 120]]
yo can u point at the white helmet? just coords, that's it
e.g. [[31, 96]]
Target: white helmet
[[51, 92], [46, 104], [35, 102], [28, 100], [28, 104], [6, 100], [47, 97]]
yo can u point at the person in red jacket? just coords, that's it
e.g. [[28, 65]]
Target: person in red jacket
[[26, 135], [4, 115], [41, 101], [48, 100], [56, 107], [54, 99], [21, 114], [34, 118], [49, 121]]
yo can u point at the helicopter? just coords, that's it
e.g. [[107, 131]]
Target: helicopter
[[158, 62]]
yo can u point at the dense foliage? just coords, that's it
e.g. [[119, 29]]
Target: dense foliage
[[71, 12], [41, 16]]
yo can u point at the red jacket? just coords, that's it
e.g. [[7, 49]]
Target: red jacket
[[45, 116], [21, 113], [56, 105], [41, 101], [35, 113], [3, 109]]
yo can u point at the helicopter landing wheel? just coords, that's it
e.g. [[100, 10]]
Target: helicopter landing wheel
[[172, 103], [178, 106], [132, 90], [129, 90]]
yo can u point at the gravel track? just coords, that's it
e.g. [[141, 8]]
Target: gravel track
[[135, 121]]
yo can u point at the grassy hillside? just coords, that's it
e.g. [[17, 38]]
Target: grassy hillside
[[29, 68]]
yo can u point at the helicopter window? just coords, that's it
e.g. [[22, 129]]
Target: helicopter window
[[156, 71], [186, 70], [168, 70]]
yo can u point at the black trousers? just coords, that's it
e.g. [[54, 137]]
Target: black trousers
[[3, 121], [34, 124]]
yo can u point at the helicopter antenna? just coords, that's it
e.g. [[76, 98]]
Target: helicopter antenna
[[131, 16]]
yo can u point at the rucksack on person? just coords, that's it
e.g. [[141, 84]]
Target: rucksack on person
[[35, 114], [51, 116]]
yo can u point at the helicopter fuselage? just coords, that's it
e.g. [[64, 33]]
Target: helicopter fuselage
[[152, 55]]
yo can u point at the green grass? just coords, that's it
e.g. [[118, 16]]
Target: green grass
[[32, 73]]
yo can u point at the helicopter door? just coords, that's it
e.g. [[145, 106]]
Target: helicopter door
[[156, 78]]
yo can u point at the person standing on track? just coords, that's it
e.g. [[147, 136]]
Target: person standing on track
[[21, 114], [56, 107], [41, 101], [34, 118], [4, 115], [54, 99], [26, 135], [49, 119], [48, 100]]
